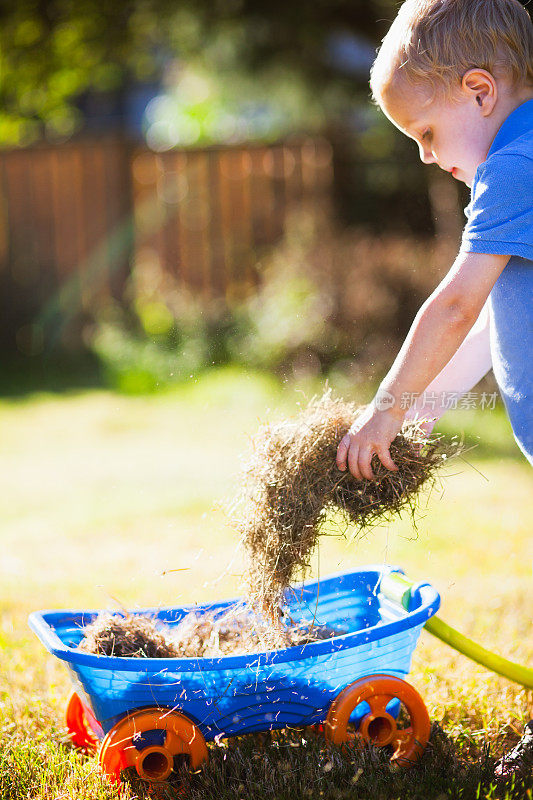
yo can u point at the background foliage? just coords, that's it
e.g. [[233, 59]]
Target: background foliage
[[331, 301], [53, 50]]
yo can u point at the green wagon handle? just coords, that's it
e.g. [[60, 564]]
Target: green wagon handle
[[398, 588]]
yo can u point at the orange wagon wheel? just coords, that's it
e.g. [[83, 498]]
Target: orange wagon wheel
[[78, 726], [379, 726], [122, 748]]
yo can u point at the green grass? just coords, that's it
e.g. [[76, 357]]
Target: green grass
[[106, 496]]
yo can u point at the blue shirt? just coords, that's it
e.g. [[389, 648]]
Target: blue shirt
[[500, 222]]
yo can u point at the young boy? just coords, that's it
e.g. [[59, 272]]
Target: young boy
[[457, 77]]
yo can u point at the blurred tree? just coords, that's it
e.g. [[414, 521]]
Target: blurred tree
[[52, 51], [316, 53]]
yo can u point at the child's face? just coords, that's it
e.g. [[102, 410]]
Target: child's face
[[453, 134]]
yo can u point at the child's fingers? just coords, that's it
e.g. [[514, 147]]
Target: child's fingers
[[353, 461], [365, 459], [342, 452], [385, 458]]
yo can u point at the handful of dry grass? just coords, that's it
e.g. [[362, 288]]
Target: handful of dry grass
[[292, 481]]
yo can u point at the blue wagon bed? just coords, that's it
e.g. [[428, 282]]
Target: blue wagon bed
[[143, 713]]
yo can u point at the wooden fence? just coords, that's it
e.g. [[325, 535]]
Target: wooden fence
[[75, 217]]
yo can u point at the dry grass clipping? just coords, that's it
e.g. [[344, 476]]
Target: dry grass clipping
[[208, 634], [292, 481], [127, 636]]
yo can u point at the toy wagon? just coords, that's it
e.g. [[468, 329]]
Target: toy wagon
[[152, 714]]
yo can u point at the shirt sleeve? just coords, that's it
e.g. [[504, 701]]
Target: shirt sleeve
[[500, 213]]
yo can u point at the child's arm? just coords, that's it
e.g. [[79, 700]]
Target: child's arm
[[469, 364], [437, 332]]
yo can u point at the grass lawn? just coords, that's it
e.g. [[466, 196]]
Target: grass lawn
[[110, 498]]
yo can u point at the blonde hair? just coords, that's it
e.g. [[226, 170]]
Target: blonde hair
[[432, 43]]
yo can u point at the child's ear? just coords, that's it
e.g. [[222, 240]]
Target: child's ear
[[481, 86]]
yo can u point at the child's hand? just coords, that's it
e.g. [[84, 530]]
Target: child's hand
[[372, 432]]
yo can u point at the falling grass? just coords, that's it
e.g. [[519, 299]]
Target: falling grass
[[292, 481]]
